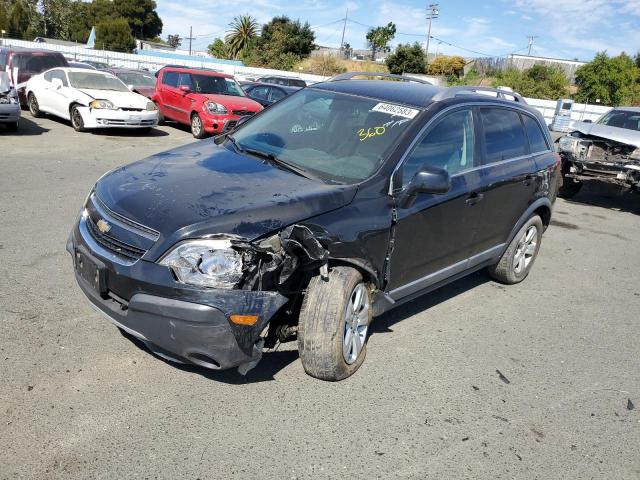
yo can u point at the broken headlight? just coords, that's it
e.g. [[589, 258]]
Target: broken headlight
[[567, 143], [205, 263]]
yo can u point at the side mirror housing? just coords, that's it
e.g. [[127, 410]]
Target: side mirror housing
[[185, 88], [57, 83], [426, 180]]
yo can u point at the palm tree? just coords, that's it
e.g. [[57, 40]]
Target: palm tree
[[242, 30]]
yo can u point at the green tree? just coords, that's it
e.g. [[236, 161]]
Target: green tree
[[80, 22], [242, 31], [19, 21], [218, 49], [612, 80], [114, 34], [57, 18], [378, 38], [407, 58], [174, 41], [144, 21], [282, 44], [539, 81]]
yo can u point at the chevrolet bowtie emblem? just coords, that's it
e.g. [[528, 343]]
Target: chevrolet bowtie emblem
[[103, 226]]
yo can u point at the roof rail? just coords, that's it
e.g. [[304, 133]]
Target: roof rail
[[470, 90], [351, 75]]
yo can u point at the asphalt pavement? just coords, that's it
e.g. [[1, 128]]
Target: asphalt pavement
[[477, 380]]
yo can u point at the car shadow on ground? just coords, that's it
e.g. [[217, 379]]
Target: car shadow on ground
[[607, 196], [104, 132], [274, 360], [26, 127]]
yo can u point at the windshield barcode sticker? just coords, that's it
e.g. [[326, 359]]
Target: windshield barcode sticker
[[395, 110]]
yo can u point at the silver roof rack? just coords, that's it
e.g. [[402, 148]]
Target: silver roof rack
[[470, 90], [401, 78]]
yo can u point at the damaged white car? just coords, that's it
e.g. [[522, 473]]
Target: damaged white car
[[89, 99], [606, 151]]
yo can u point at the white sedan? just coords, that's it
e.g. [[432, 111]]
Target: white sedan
[[89, 99]]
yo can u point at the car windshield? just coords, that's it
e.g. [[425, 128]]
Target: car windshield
[[337, 138], [622, 119], [96, 81], [216, 85], [137, 79]]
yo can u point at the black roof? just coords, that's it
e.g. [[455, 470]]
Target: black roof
[[404, 93]]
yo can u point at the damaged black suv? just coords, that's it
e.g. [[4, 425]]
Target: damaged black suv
[[325, 210]]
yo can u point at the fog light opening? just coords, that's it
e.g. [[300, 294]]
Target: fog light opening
[[203, 360]]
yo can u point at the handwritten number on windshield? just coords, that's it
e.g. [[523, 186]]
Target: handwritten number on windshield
[[371, 132]]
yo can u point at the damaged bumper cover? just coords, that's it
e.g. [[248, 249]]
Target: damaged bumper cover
[[175, 321]]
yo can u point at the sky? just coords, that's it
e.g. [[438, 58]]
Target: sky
[[562, 28]]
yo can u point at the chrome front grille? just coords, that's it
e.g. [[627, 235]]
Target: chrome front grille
[[113, 245]]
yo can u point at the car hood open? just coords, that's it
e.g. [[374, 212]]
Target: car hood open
[[203, 189]]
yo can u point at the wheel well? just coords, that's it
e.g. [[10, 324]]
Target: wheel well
[[73, 105], [367, 274], [545, 214]]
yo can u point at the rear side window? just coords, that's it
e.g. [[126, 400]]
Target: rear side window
[[503, 134], [277, 94], [170, 78], [448, 145], [537, 142], [37, 62], [259, 92]]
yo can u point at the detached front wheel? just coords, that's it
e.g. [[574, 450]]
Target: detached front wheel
[[334, 323]]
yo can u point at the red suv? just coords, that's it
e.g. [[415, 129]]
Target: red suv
[[210, 102]]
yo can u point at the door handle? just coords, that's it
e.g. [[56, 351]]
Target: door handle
[[474, 198]]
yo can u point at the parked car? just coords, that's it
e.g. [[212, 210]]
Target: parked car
[[327, 209], [89, 99], [97, 65], [9, 103], [84, 65], [23, 63], [286, 81], [208, 101], [138, 81], [605, 151], [266, 94]]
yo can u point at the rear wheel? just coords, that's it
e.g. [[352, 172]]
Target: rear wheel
[[34, 107], [517, 260], [76, 119], [197, 128], [334, 323]]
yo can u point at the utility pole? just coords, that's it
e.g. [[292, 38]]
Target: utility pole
[[190, 37], [531, 38], [344, 28], [432, 13]]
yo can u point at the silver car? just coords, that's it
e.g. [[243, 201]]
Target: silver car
[[9, 103], [606, 151]]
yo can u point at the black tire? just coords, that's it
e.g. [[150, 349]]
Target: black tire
[[34, 106], [506, 271], [76, 119], [569, 188], [323, 325], [197, 132], [160, 115]]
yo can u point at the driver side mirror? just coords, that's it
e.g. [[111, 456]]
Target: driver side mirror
[[57, 83], [426, 180], [185, 89]]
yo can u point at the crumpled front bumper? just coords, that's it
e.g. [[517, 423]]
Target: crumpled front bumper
[[174, 320]]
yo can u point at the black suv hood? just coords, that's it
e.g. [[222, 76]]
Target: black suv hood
[[203, 189]]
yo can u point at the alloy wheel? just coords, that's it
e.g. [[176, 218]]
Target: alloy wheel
[[356, 323], [196, 125], [525, 250]]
